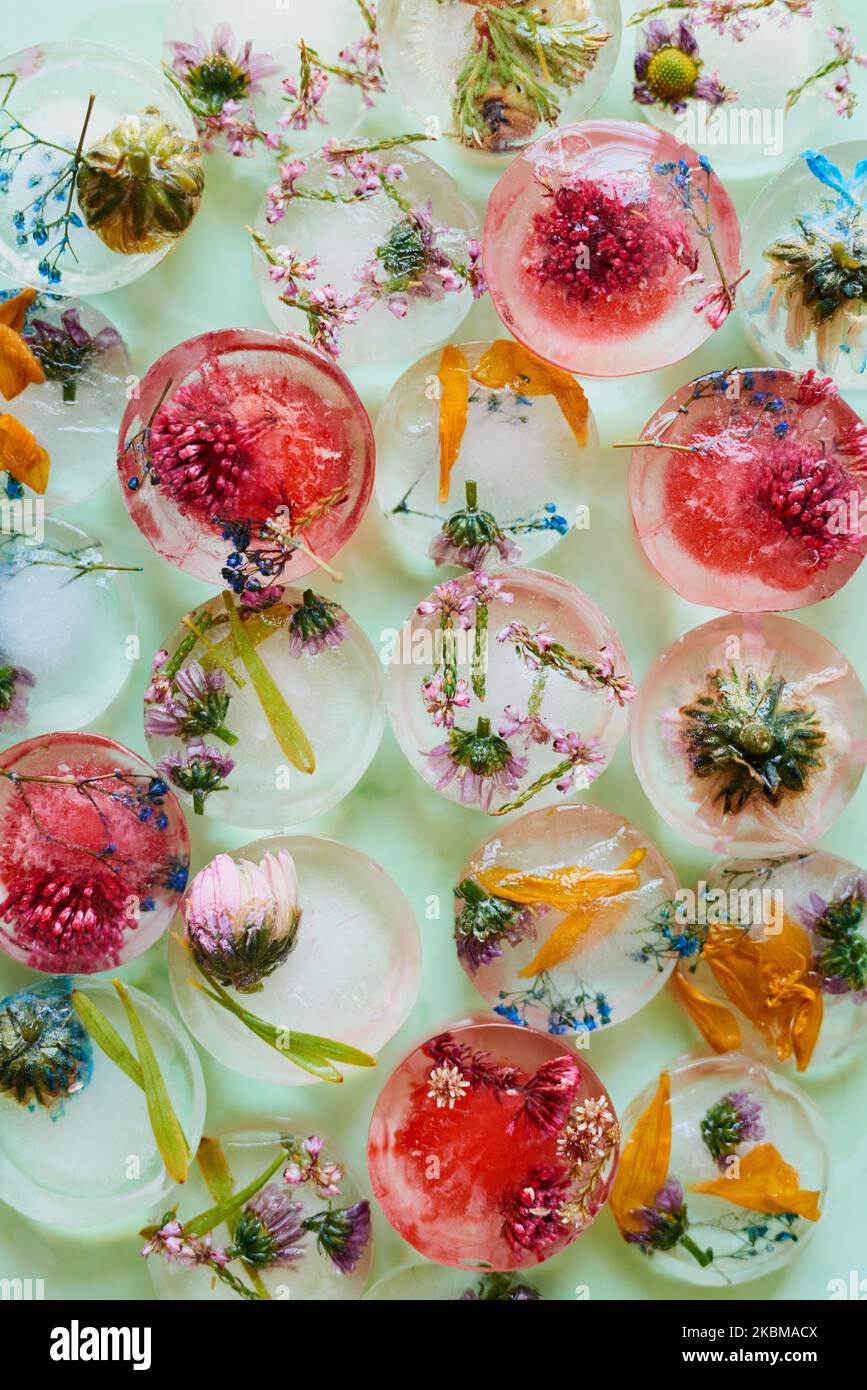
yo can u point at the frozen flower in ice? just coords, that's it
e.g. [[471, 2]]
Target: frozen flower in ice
[[447, 1085], [441, 702], [342, 1234], [198, 769], [733, 1120], [663, 1225], [841, 954], [546, 1098], [15, 681], [668, 70], [61, 915], [814, 389], [307, 1165], [718, 303], [468, 535], [316, 624], [484, 922], [618, 688], [499, 1288], [532, 1216], [45, 1053], [160, 686], [449, 601], [269, 1230], [218, 72], [65, 349], [590, 1133], [288, 267], [475, 273], [241, 919], [480, 761], [196, 704], [530, 727], [305, 96], [585, 758]]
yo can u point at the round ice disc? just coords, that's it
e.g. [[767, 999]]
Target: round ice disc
[[93, 853], [750, 733], [804, 240], [352, 974], [490, 1146], [268, 716], [73, 413], [593, 259], [508, 689], [433, 1284], [783, 958], [245, 458], [491, 80], [751, 500], [111, 105], [395, 249], [63, 602], [312, 1241], [76, 1144], [741, 1183], [461, 424], [268, 60], [743, 85], [563, 921]]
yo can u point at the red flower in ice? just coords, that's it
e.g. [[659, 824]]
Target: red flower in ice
[[546, 1098], [718, 303], [199, 450], [64, 916], [813, 389], [595, 244], [532, 1215], [808, 493]]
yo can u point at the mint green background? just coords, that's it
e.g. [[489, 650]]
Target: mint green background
[[419, 837]]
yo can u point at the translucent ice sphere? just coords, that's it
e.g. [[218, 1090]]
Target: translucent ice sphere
[[750, 494], [782, 970], [596, 253], [508, 688], [464, 421], [76, 1144], [73, 413], [93, 853], [492, 1146], [564, 920], [102, 168], [246, 458], [805, 236], [311, 1236], [267, 60], [723, 1173], [749, 733], [372, 252], [265, 715], [490, 76], [351, 975], [63, 604], [742, 84]]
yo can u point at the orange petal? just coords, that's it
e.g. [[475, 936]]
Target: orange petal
[[14, 309], [18, 366], [765, 1183], [644, 1160], [568, 933], [454, 378], [806, 1028], [563, 888], [717, 1024], [507, 363], [21, 456]]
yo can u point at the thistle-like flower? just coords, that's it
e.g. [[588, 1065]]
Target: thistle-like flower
[[841, 958], [316, 623], [733, 1120], [468, 535], [45, 1053], [342, 1234], [484, 923], [756, 740], [482, 763], [269, 1230], [198, 769], [241, 919]]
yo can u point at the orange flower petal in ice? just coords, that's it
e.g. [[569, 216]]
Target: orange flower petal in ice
[[18, 366], [765, 1183], [14, 309], [508, 364], [715, 1022], [771, 980], [454, 379], [21, 456], [580, 893], [644, 1160]]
